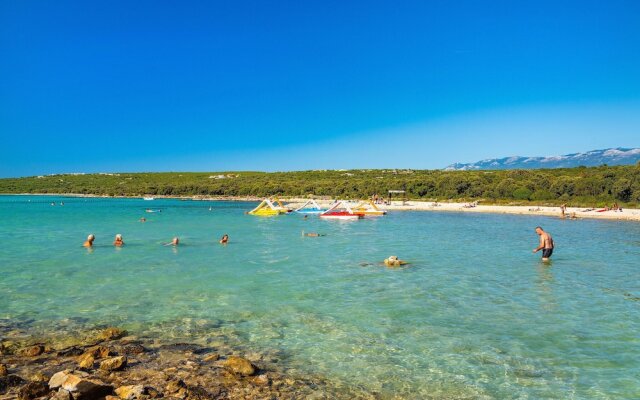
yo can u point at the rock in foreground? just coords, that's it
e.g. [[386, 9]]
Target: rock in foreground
[[240, 366]]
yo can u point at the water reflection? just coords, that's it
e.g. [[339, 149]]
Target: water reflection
[[545, 282]]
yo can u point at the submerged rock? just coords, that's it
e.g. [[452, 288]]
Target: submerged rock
[[114, 363], [32, 351], [175, 386], [32, 390], [70, 352], [3, 370], [181, 371], [99, 351], [200, 393], [39, 377], [262, 380], [61, 394], [112, 333], [211, 357], [240, 366], [9, 381], [7, 347], [133, 349]]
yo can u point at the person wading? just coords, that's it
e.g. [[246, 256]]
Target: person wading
[[546, 244]]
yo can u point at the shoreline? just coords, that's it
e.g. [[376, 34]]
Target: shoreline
[[627, 214]]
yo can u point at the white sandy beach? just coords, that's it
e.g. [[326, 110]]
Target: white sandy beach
[[579, 212], [627, 214]]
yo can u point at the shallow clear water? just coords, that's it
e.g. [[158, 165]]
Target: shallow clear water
[[476, 314]]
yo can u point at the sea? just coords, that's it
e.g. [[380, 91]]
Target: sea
[[475, 314]]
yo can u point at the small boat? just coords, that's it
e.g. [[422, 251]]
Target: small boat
[[148, 198], [310, 207], [340, 210], [152, 211]]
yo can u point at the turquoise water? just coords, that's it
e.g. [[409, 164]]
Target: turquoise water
[[476, 315]]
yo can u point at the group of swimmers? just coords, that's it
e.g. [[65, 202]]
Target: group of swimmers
[[546, 245], [118, 242]]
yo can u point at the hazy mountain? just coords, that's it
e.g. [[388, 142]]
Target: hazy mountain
[[618, 156]]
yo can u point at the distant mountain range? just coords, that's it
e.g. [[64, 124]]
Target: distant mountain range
[[618, 156]]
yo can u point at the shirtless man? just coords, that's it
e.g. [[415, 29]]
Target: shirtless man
[[546, 244]]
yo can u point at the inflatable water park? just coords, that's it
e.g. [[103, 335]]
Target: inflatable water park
[[339, 209]]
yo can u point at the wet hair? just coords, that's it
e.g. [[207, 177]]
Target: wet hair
[[539, 227]]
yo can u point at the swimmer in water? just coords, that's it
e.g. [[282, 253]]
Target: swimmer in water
[[118, 241], [174, 242], [393, 261], [89, 241], [312, 234], [225, 239], [143, 219]]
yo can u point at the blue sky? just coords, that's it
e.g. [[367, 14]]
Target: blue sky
[[209, 86]]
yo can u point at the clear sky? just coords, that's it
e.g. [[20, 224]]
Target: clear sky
[[90, 86]]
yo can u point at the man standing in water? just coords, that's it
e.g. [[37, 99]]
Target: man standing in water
[[546, 244]]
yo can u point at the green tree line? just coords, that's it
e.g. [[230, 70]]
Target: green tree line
[[593, 186]]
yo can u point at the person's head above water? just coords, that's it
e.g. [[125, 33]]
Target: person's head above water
[[539, 230], [393, 261], [225, 238], [89, 241], [175, 241], [118, 241]]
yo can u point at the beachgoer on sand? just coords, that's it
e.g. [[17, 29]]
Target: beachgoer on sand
[[546, 244]]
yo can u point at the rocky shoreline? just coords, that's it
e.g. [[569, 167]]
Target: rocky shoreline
[[109, 364]]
